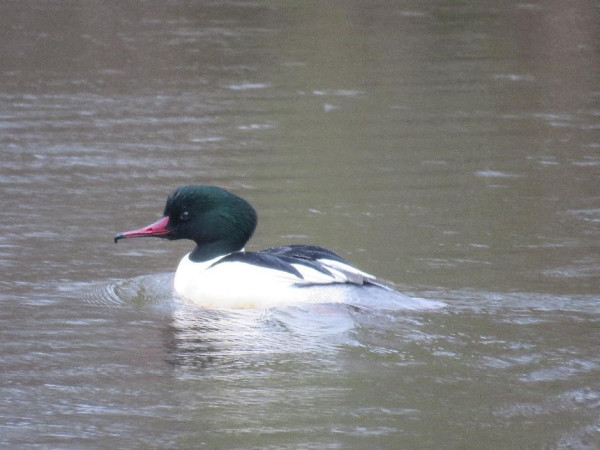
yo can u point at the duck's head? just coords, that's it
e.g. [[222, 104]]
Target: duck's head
[[217, 220]]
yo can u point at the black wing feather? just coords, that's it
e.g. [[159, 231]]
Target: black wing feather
[[309, 252], [262, 260], [282, 258]]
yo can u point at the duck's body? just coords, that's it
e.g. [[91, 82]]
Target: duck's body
[[218, 273], [275, 277]]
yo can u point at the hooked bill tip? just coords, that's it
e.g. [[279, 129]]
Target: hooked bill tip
[[118, 236]]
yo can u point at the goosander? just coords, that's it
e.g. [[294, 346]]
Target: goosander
[[219, 273]]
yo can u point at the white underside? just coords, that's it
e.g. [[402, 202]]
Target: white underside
[[242, 285]]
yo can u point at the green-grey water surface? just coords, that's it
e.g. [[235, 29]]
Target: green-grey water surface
[[450, 148]]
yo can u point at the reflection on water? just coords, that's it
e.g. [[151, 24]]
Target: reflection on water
[[232, 340], [198, 336], [451, 148]]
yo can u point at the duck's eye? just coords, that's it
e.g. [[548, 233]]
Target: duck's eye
[[185, 215]]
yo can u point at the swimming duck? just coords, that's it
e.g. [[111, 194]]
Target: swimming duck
[[219, 273]]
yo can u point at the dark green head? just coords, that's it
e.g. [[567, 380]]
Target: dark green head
[[217, 220]]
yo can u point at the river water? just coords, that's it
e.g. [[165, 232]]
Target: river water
[[450, 148]]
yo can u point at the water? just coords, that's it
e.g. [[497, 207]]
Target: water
[[449, 148]]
